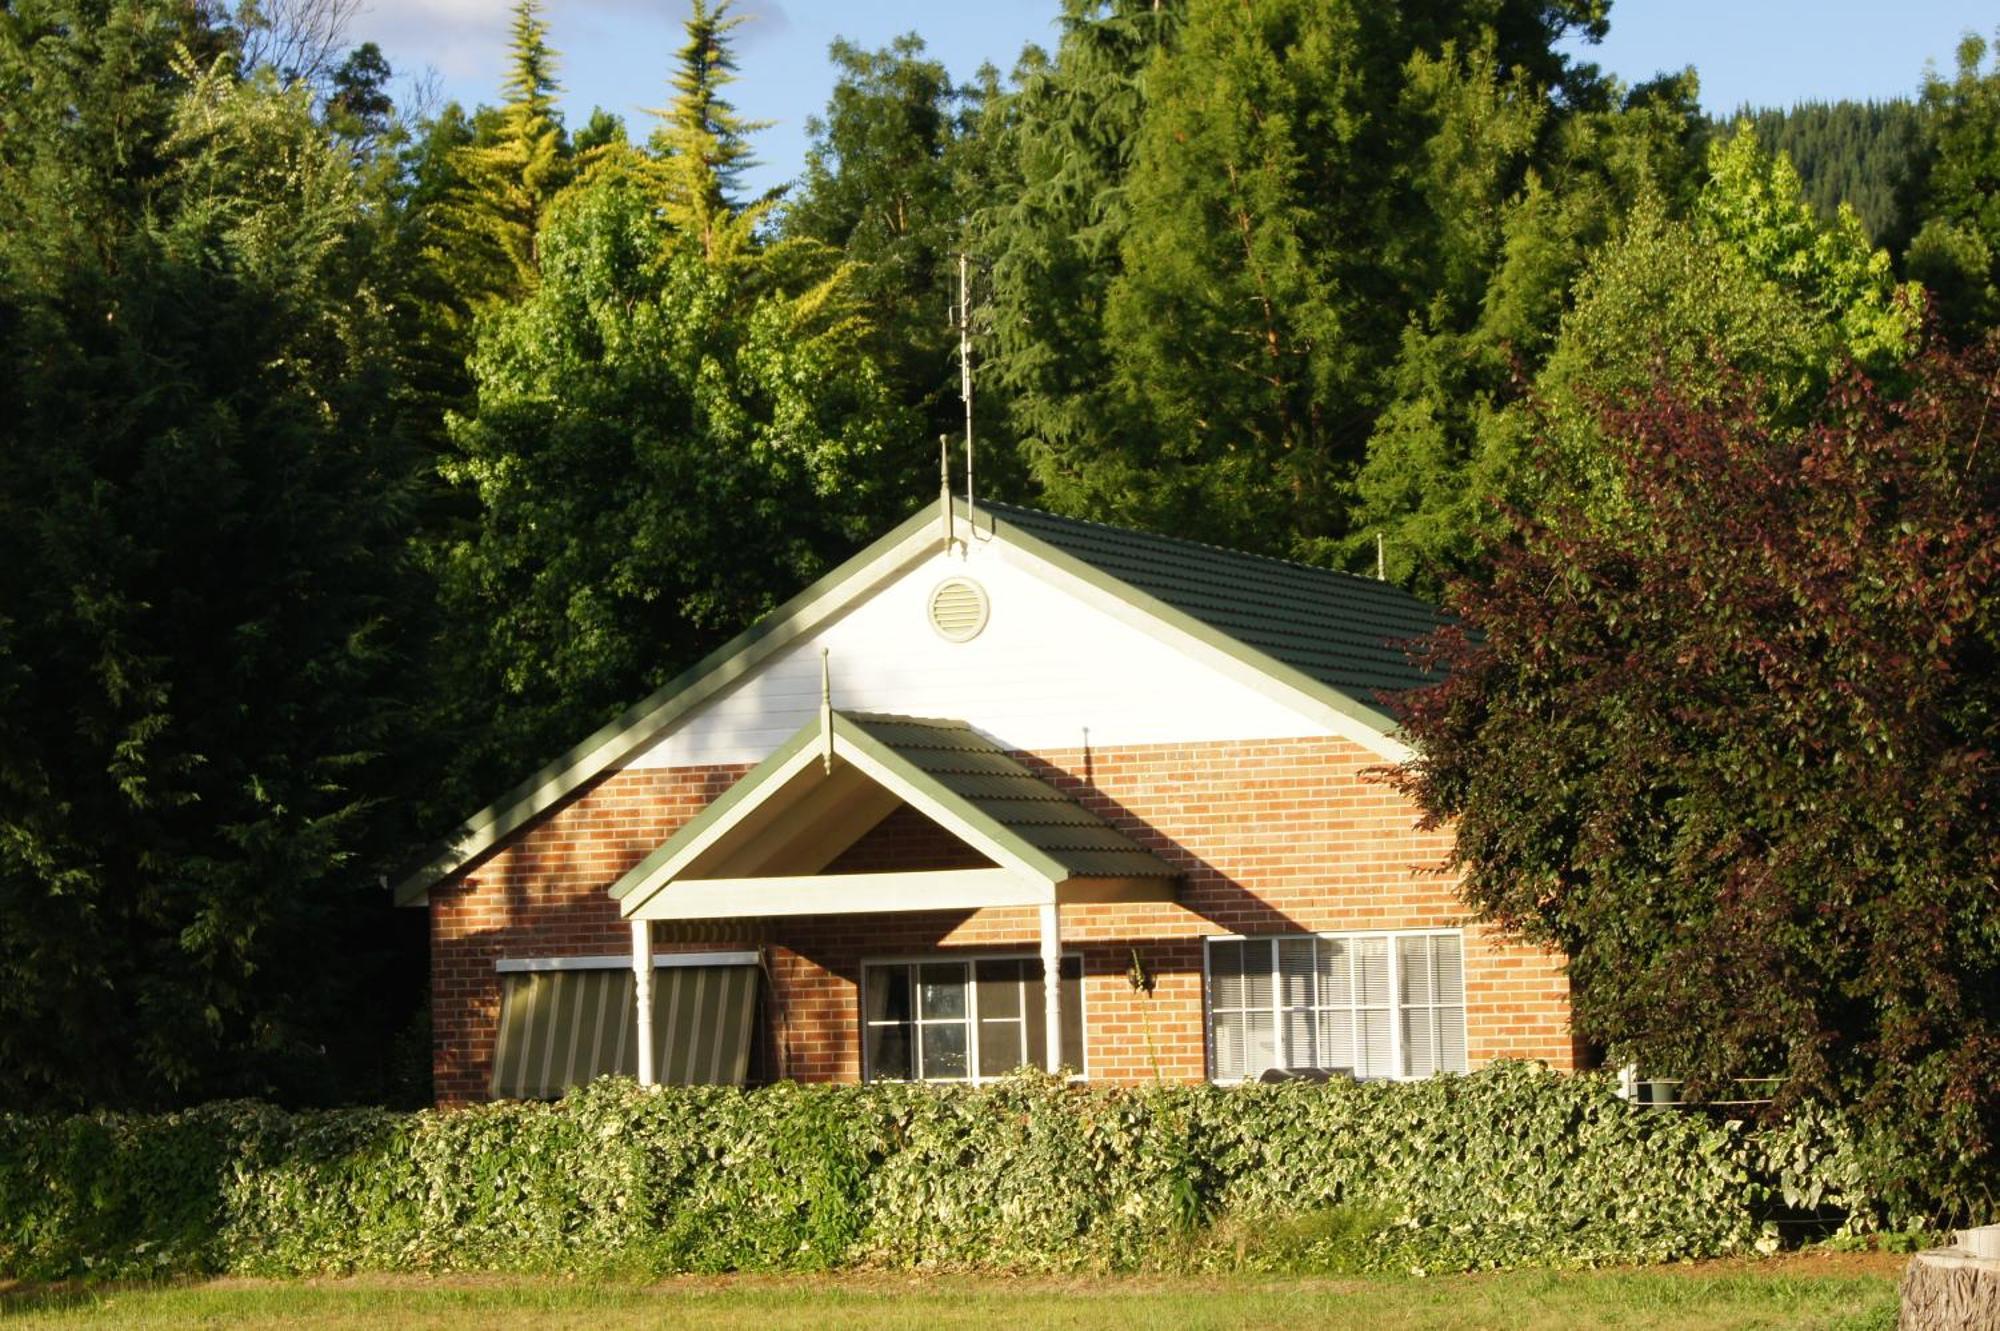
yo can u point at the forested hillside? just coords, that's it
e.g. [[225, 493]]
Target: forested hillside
[[1861, 154], [352, 462]]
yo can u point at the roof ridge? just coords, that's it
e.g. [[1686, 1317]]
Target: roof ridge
[[1149, 533], [935, 722]]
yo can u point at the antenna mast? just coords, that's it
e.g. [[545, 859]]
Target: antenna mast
[[965, 376]]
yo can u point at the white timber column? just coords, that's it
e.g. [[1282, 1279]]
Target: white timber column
[[1052, 1023], [642, 994]]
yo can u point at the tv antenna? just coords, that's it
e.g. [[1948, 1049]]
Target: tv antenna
[[962, 320]]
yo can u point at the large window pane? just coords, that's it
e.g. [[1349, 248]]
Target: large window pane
[[1419, 1054], [1413, 959], [942, 991], [888, 1053], [1295, 972], [1232, 1046], [567, 1025], [1257, 991], [1336, 974], [999, 988], [1448, 958], [943, 1051], [1376, 1054], [1225, 973], [1371, 972], [888, 996], [1000, 1047], [1379, 1005], [1451, 1039], [1336, 1039], [953, 1020], [1301, 1038]]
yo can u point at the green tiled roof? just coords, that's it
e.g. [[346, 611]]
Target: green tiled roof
[[1338, 639], [1345, 631], [954, 758]]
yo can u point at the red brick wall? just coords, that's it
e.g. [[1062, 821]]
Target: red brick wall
[[1273, 836], [908, 842]]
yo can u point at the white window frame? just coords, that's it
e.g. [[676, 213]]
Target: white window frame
[[1278, 1009], [1030, 1012], [623, 962]]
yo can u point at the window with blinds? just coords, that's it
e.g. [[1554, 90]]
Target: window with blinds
[[963, 1019], [563, 1024], [1374, 1005]]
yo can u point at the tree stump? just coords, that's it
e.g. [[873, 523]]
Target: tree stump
[[1948, 1289]]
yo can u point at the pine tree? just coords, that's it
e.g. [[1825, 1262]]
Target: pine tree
[[204, 481], [1955, 193], [702, 145], [887, 186], [509, 175], [678, 427]]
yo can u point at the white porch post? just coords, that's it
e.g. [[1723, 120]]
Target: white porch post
[[1052, 984], [642, 994]]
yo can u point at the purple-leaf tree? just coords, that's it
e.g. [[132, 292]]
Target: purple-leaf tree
[[1721, 725]]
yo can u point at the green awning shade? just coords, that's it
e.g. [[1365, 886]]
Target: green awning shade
[[562, 1028]]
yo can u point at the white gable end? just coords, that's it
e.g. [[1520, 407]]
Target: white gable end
[[1057, 665]]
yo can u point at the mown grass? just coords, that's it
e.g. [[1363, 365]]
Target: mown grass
[[1828, 1294]]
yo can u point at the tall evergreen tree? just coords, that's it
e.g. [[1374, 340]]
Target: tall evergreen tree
[[509, 175], [1857, 153], [1057, 151], [677, 428], [1956, 192], [702, 145], [203, 667], [887, 184]]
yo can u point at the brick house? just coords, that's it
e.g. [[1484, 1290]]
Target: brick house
[[1004, 788]]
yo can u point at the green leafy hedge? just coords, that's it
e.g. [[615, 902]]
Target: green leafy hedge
[[1509, 1166]]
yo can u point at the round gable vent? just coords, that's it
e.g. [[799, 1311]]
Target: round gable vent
[[958, 609]]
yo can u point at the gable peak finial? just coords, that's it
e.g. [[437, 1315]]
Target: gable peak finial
[[826, 709]]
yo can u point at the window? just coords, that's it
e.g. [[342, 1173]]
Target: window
[[1377, 1005], [565, 1021], [970, 1019]]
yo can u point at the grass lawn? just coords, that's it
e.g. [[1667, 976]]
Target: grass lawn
[[1852, 1292]]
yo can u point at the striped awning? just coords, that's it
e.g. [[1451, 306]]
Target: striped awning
[[562, 1025]]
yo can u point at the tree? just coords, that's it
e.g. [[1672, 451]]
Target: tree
[[886, 186], [509, 175], [359, 103], [1056, 152], [1747, 276], [702, 146], [1729, 750], [1854, 153], [1225, 222], [204, 658], [1956, 251], [676, 429]]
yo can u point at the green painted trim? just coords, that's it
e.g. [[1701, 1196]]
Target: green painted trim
[[1033, 858], [616, 740], [641, 883], [1241, 652], [747, 786], [916, 536]]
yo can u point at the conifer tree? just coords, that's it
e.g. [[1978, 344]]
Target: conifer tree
[[204, 475], [702, 146], [509, 174], [1956, 192]]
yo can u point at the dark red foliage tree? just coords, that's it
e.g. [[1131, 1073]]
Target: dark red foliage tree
[[1724, 732]]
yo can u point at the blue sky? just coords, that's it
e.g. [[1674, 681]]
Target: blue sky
[[617, 53]]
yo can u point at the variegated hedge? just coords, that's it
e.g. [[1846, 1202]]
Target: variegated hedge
[[1507, 1167]]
